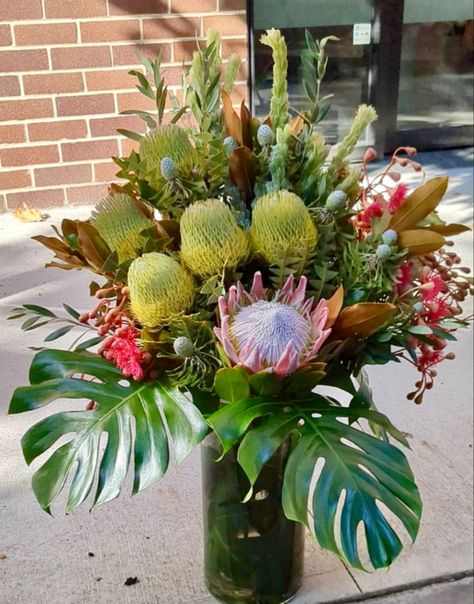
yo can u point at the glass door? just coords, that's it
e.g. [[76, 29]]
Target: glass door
[[412, 59], [350, 61]]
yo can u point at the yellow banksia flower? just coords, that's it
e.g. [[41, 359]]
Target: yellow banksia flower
[[160, 288], [282, 227], [211, 239], [119, 221], [167, 141]]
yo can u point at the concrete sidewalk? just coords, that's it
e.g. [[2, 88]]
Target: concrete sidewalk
[[86, 558]]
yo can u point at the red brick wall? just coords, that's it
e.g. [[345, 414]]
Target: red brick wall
[[63, 81]]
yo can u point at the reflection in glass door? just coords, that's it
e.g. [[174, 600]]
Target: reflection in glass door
[[350, 58], [437, 60]]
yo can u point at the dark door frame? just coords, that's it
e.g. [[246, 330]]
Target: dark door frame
[[383, 89]]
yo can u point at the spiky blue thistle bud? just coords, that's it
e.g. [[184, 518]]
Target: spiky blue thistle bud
[[168, 168], [390, 237], [336, 201], [184, 347], [383, 251], [265, 135], [230, 145]]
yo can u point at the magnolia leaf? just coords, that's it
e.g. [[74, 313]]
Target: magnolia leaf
[[94, 248], [334, 305], [419, 241], [245, 118], [141, 421], [296, 125], [232, 121], [240, 169], [448, 230], [419, 204], [363, 319]]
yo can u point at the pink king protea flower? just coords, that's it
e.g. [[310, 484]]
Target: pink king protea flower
[[278, 335]]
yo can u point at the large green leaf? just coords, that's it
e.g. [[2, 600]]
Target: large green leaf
[[359, 469], [139, 420]]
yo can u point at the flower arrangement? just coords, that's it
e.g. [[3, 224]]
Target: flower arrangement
[[243, 265]]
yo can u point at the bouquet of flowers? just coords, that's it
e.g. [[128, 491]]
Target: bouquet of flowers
[[241, 266]]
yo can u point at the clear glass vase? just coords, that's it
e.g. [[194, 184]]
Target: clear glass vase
[[252, 553]]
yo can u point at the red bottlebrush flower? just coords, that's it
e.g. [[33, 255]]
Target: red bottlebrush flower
[[398, 197], [435, 311], [123, 350], [428, 357], [405, 276], [432, 286], [370, 213]]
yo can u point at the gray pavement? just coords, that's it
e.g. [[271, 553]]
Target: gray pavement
[[156, 536]]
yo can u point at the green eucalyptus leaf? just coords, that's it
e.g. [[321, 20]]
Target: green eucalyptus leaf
[[161, 415], [58, 333], [40, 310]]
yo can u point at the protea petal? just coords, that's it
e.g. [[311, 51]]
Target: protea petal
[[288, 362], [257, 292], [278, 335]]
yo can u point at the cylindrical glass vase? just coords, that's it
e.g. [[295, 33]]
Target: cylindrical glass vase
[[252, 553]]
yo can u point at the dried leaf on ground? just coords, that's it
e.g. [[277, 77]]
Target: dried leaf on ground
[[27, 214]]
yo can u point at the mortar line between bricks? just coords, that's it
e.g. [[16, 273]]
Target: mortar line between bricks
[[401, 589]]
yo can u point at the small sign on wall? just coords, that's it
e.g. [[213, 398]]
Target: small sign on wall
[[362, 33]]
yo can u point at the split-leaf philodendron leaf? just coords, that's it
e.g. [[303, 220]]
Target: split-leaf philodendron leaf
[[359, 469], [159, 414]]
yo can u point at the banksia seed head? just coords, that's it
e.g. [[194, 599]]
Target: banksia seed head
[[282, 226], [119, 221], [265, 135], [383, 252], [211, 239], [168, 141], [168, 168], [336, 201], [230, 145], [160, 288], [390, 237]]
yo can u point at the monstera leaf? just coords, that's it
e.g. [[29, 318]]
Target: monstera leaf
[[160, 414], [359, 469]]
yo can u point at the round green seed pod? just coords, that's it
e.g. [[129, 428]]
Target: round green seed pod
[[160, 288], [282, 226], [168, 141], [119, 221], [211, 239]]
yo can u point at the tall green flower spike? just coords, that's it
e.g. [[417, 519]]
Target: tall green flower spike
[[282, 227], [166, 141], [160, 289], [279, 105], [119, 221], [211, 239], [365, 115]]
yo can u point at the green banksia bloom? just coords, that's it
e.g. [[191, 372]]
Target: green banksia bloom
[[119, 222], [231, 72], [383, 252], [336, 201], [168, 168], [282, 226], [265, 135], [390, 237], [279, 104], [211, 239], [160, 288], [365, 115], [168, 141]]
